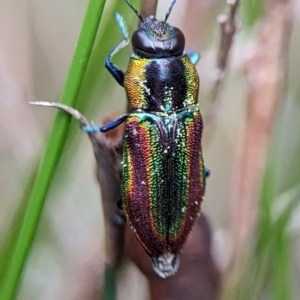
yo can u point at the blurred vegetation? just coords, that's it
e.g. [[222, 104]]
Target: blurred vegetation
[[67, 259], [17, 253], [251, 11]]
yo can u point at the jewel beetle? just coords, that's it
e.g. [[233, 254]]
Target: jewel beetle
[[163, 173]]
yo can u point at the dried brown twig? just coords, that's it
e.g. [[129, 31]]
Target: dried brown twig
[[265, 69], [228, 27], [108, 158], [265, 78], [149, 8]]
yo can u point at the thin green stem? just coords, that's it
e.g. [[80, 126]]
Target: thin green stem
[[53, 151], [110, 284]]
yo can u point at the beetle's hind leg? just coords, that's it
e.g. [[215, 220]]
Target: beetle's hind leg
[[117, 73]]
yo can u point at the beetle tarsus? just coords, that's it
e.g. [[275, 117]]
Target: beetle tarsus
[[90, 129], [117, 73], [194, 56]]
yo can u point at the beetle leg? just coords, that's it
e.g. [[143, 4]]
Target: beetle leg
[[113, 124], [207, 172], [117, 73], [90, 129], [194, 56]]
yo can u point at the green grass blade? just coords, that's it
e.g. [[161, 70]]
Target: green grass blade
[[110, 284], [251, 11], [53, 151]]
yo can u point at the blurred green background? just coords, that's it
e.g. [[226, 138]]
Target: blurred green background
[[37, 41]]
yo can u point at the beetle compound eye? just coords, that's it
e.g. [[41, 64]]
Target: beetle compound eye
[[178, 42], [141, 41]]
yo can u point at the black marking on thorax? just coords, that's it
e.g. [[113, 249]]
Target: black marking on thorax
[[166, 81]]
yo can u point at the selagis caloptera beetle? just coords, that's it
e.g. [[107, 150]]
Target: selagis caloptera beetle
[[163, 173]]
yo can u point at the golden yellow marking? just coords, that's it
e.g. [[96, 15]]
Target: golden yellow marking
[[135, 83]]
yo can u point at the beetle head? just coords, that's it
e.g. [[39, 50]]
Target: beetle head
[[157, 39]]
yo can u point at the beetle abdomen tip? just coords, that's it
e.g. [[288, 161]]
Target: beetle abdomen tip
[[165, 265]]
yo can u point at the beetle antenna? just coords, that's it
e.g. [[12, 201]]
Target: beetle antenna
[[170, 9], [135, 11]]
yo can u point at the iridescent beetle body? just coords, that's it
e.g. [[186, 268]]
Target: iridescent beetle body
[[161, 85], [163, 174]]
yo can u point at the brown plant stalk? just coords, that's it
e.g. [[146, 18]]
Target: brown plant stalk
[[265, 72], [228, 28], [149, 8]]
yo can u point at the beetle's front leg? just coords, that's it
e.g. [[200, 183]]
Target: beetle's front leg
[[117, 73]]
